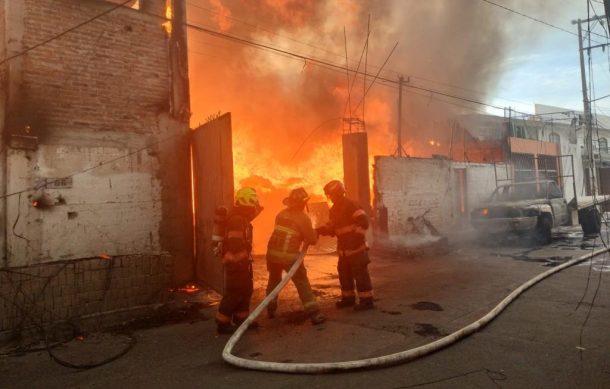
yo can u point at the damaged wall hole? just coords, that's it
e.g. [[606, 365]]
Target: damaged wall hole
[[72, 215]]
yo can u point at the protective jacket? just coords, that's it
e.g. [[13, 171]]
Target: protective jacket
[[237, 241], [292, 228], [348, 222], [235, 252]]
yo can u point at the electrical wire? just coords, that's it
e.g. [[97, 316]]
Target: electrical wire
[[267, 47], [387, 71], [534, 18]]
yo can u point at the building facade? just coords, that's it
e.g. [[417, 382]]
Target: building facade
[[95, 193]]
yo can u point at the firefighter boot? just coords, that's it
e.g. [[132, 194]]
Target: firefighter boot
[[345, 302], [271, 309], [364, 304], [224, 328], [316, 318], [254, 325]]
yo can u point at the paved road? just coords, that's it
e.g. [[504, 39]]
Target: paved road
[[539, 341]]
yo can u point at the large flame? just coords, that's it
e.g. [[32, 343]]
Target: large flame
[[287, 112]]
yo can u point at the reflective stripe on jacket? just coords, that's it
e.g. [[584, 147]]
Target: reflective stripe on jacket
[[237, 242], [349, 223], [292, 228]]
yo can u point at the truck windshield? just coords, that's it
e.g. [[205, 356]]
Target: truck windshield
[[518, 192]]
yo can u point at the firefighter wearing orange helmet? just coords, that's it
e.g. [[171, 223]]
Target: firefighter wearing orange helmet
[[292, 230], [349, 222], [233, 241]]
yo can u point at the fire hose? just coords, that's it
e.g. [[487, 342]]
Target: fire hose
[[385, 360]]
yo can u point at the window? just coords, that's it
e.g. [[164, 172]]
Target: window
[[554, 138], [603, 144]]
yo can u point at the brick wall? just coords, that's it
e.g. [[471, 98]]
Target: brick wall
[[111, 74], [97, 99]]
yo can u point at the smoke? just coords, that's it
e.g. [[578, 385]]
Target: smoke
[[287, 112]]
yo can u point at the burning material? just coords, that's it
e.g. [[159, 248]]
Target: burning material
[[167, 25], [189, 288], [420, 237], [283, 107]]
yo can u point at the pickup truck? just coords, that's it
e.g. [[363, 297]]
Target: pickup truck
[[534, 209]]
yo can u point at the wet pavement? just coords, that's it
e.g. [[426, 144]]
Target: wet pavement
[[555, 335]]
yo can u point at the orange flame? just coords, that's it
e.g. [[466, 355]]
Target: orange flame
[[167, 26]]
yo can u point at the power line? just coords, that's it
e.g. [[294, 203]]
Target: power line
[[253, 44], [326, 63], [69, 30], [411, 76], [535, 19]]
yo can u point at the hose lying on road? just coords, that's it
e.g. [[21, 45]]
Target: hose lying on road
[[385, 360]]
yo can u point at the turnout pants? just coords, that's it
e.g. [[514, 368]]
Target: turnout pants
[[235, 303], [354, 274], [300, 280]]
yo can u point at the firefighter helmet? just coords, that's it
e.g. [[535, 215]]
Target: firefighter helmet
[[297, 196], [335, 187], [247, 197]]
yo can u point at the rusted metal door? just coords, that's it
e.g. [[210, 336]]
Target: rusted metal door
[[213, 177]]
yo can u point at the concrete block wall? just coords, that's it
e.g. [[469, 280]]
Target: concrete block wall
[[97, 101], [408, 187]]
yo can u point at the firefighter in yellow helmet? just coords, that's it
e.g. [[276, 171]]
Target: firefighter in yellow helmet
[[292, 229], [235, 248], [349, 222]]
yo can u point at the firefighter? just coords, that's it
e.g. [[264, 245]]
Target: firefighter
[[235, 249], [349, 222], [292, 230]]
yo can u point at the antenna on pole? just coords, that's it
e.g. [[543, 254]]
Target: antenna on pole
[[400, 151], [366, 58], [349, 92]]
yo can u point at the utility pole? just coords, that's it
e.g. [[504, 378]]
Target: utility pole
[[607, 10], [587, 112], [399, 149], [587, 103]]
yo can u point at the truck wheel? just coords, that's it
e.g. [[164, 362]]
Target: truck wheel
[[590, 220], [543, 229]]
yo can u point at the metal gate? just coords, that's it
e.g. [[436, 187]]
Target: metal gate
[[213, 177]]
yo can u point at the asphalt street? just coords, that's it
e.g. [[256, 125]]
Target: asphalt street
[[554, 336]]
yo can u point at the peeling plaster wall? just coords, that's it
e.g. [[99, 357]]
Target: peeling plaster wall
[[408, 187], [114, 209]]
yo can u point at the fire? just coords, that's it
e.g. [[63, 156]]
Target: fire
[[167, 26], [277, 102]]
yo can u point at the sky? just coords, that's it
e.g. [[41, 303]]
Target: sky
[[547, 71], [538, 64]]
